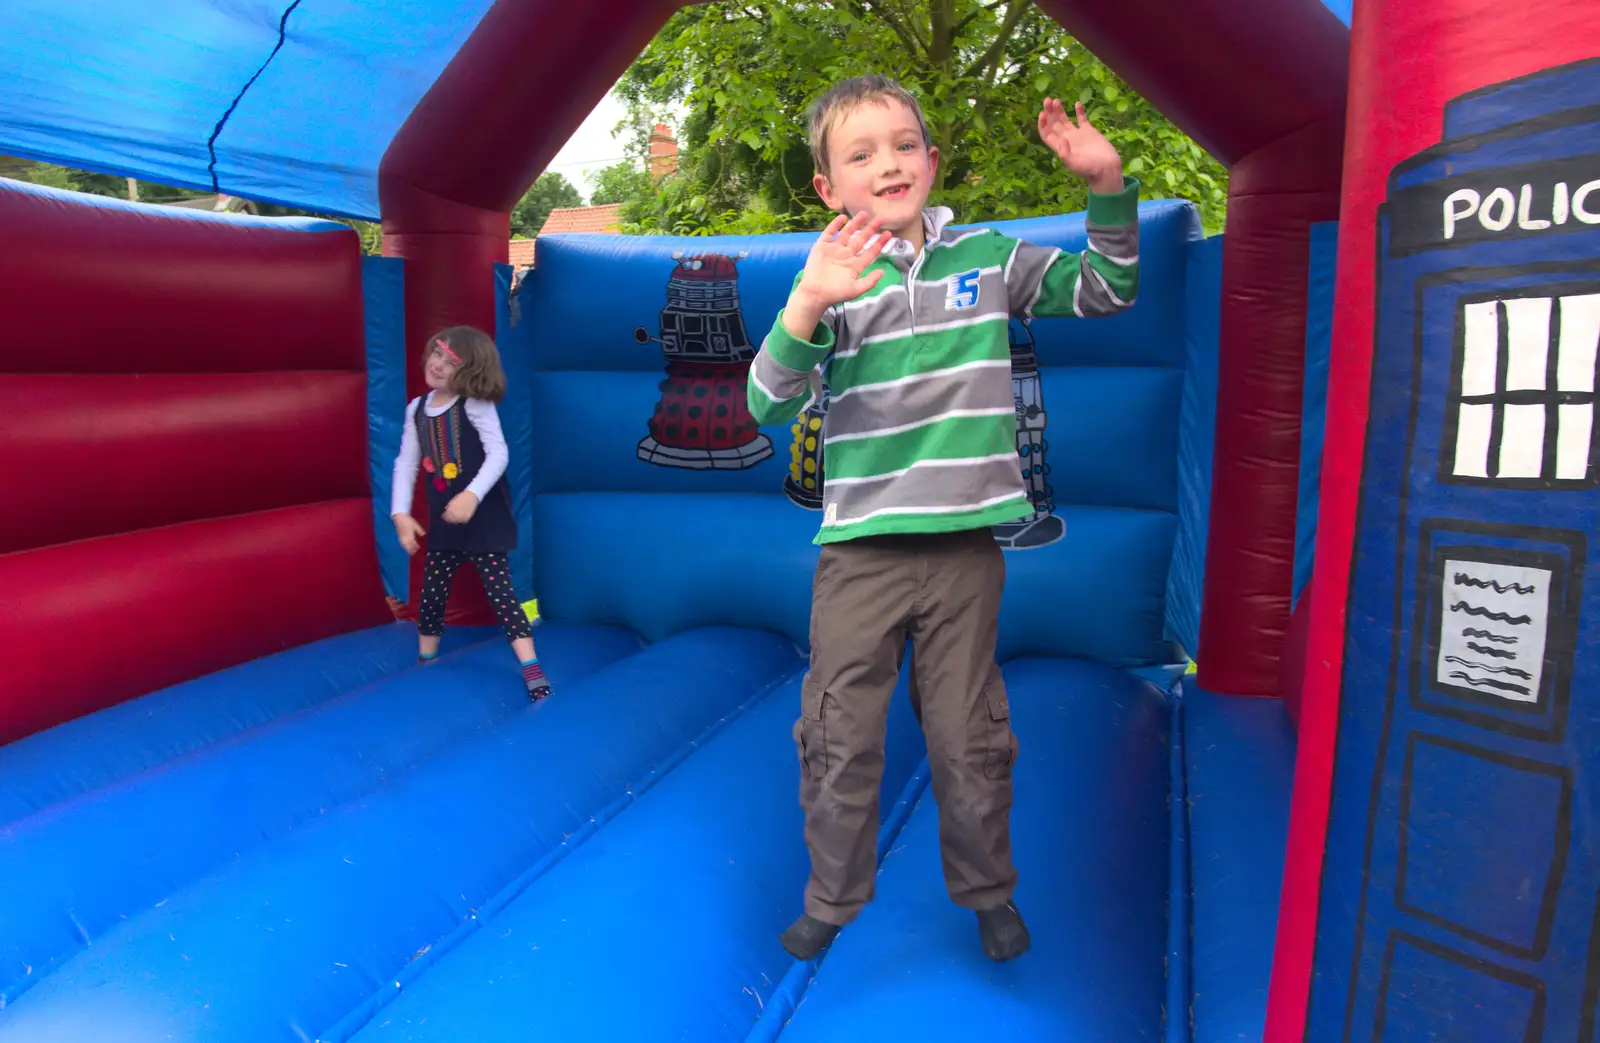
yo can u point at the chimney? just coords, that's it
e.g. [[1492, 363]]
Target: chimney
[[663, 152]]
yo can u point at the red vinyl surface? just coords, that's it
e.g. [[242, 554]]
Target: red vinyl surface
[[1275, 195], [90, 624], [1273, 112], [1408, 60], [135, 452], [1285, 67], [187, 397], [102, 288]]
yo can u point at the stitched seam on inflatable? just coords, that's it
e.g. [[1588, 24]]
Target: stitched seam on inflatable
[[211, 145]]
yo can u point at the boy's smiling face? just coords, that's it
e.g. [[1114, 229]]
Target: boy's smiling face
[[879, 163]]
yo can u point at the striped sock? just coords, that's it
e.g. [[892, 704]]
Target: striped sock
[[533, 677], [427, 657]]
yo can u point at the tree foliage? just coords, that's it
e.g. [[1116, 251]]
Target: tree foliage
[[544, 195], [743, 74], [620, 183]]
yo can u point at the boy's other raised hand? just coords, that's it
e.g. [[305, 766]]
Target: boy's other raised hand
[[838, 257], [1083, 149]]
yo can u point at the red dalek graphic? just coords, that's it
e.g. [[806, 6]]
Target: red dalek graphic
[[702, 421]]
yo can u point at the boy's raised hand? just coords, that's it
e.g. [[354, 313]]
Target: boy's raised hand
[[1083, 149], [838, 257]]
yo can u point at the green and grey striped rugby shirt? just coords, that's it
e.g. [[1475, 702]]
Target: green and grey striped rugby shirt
[[921, 427]]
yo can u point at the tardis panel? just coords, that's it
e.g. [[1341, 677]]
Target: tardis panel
[[1494, 640], [1431, 993], [1483, 842]]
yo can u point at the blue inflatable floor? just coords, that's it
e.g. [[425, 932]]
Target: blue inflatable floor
[[1240, 768], [396, 853], [1090, 836]]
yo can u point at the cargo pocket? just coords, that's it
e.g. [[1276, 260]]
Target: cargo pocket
[[810, 731], [1002, 752]]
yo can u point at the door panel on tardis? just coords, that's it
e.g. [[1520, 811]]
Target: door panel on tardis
[[1461, 881]]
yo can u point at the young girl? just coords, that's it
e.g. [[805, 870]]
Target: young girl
[[454, 433]]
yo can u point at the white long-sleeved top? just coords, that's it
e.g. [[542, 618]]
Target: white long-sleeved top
[[485, 419]]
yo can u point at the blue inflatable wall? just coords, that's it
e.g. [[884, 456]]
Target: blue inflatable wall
[[1197, 421], [594, 309]]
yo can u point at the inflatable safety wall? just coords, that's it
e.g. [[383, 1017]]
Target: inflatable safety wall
[[188, 439], [647, 463]]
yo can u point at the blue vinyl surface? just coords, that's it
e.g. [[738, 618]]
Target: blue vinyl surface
[[1314, 396], [173, 824], [714, 871], [516, 423], [1240, 760], [308, 927], [383, 307], [1090, 835], [1197, 421], [1460, 880], [99, 749], [1116, 556]]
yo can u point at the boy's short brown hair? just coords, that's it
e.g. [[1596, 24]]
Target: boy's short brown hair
[[480, 374], [842, 97]]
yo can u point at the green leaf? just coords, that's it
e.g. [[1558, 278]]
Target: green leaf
[[739, 86]]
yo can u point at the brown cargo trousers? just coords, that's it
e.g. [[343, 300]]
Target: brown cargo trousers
[[869, 595]]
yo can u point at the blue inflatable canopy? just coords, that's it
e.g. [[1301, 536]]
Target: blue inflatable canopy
[[284, 101]]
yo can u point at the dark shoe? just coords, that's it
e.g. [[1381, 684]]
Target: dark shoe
[[807, 937], [539, 693], [1004, 935]]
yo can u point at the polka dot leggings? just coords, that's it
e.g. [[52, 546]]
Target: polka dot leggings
[[495, 575]]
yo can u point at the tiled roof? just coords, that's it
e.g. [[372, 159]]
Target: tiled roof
[[606, 218], [522, 252]]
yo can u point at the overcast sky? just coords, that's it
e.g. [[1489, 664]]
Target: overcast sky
[[592, 148]]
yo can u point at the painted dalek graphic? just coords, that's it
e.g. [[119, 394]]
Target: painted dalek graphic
[[1042, 527], [803, 483], [702, 420], [1472, 629]]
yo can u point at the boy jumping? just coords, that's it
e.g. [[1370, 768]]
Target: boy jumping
[[908, 317]]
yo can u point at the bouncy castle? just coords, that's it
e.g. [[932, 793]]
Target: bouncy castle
[[1293, 637]]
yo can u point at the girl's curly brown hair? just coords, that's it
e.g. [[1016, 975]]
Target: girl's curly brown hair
[[480, 374]]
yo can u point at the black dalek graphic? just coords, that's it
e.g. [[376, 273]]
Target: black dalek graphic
[[803, 483], [702, 421], [1042, 527]]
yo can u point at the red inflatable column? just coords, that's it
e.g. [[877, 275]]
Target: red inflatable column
[[520, 85], [1275, 194], [1408, 60], [450, 255], [1259, 85]]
